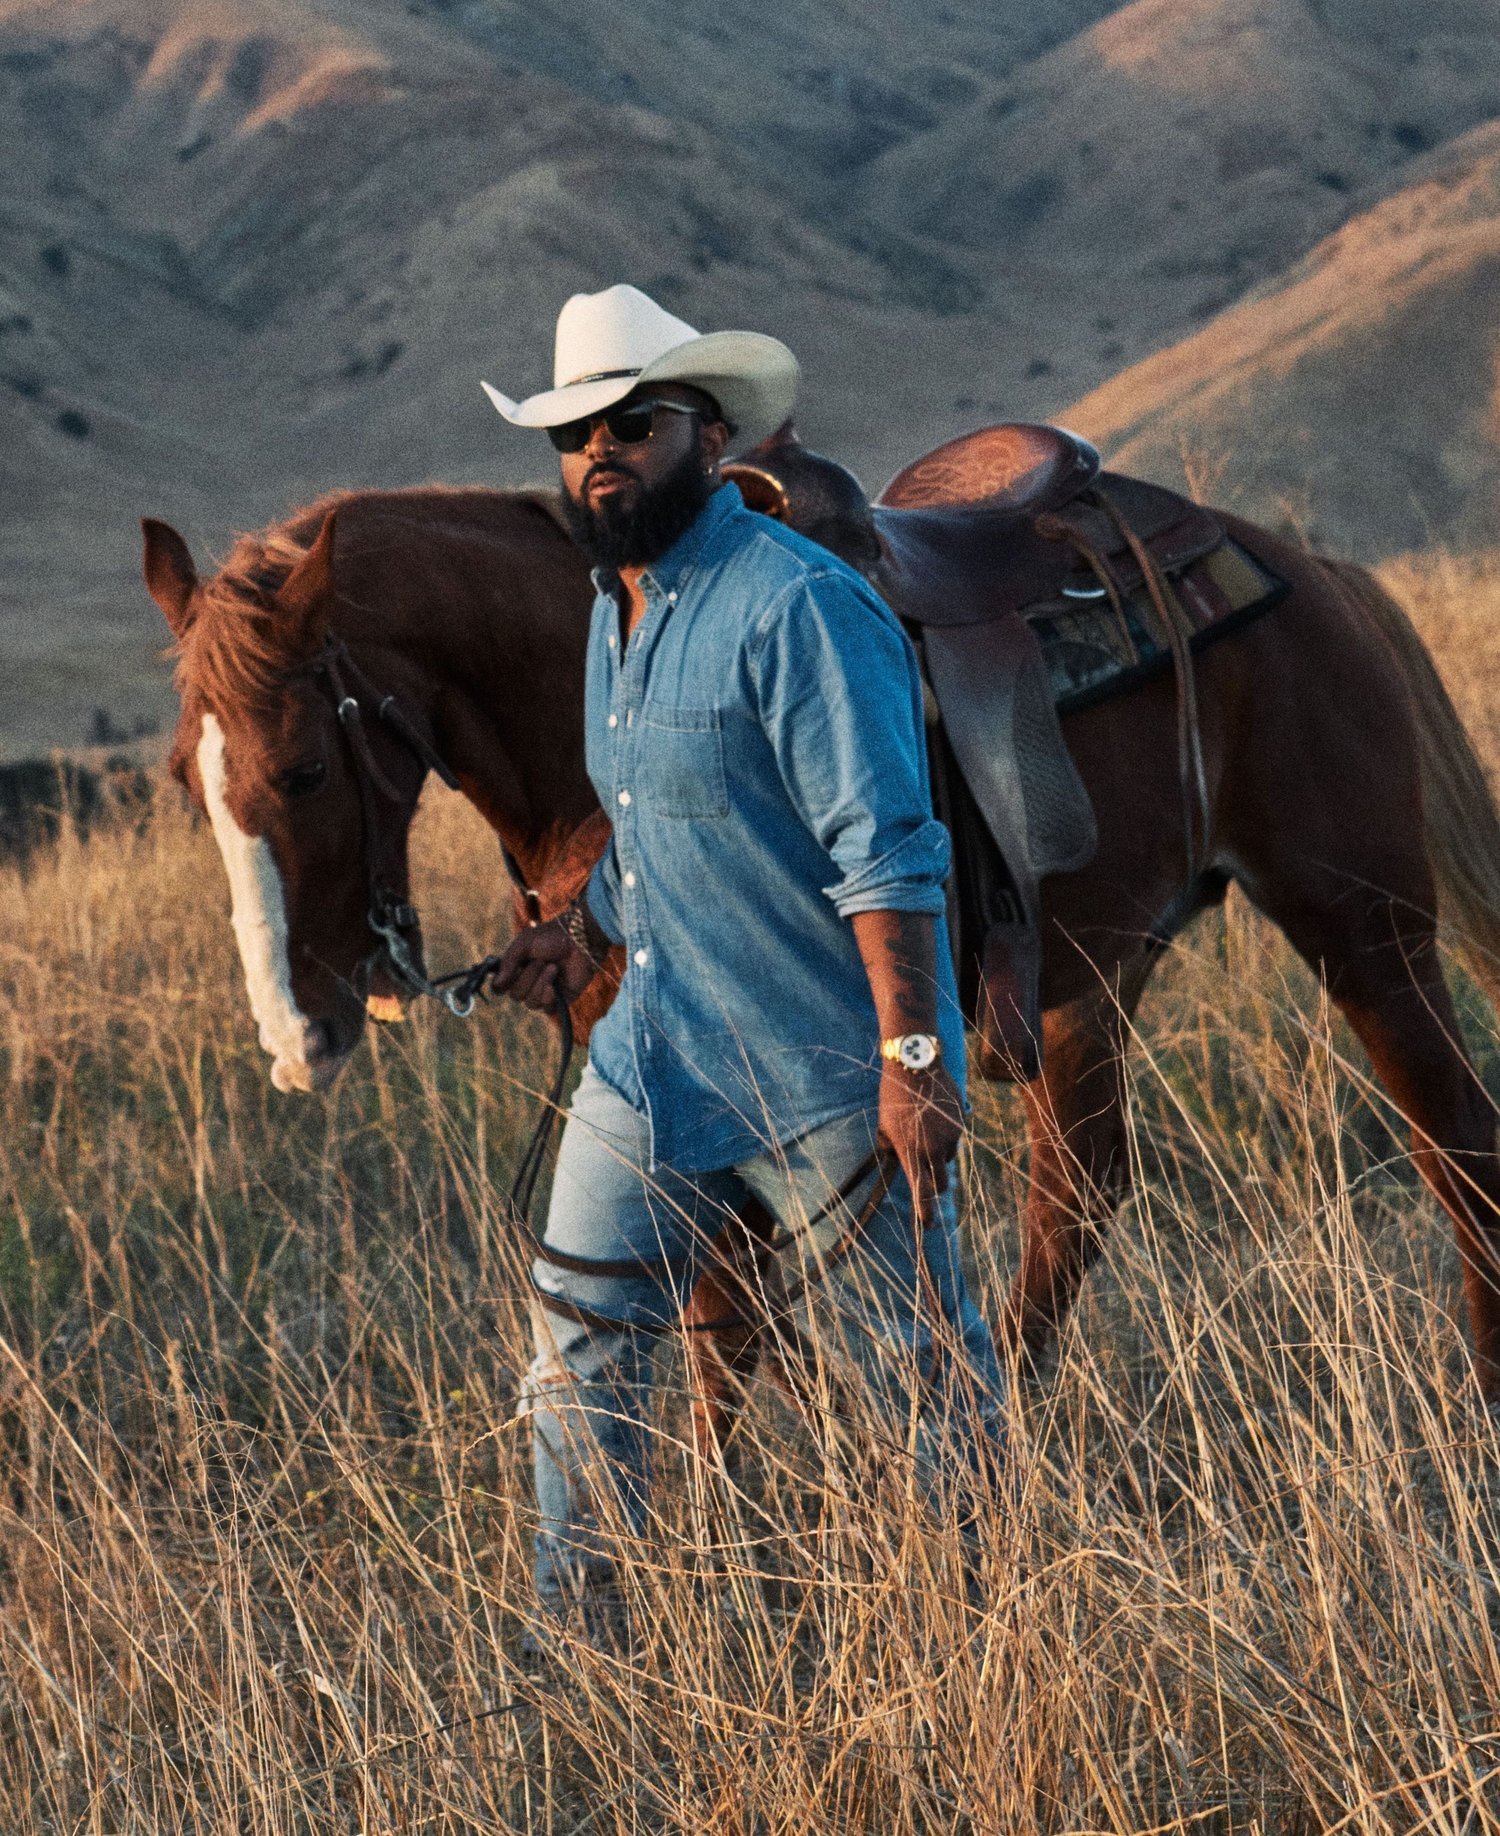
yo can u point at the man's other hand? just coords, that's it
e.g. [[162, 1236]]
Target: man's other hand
[[540, 963], [922, 1122]]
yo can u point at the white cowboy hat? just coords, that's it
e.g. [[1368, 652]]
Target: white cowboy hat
[[609, 343]]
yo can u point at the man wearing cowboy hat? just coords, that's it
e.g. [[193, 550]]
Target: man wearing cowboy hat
[[787, 1031]]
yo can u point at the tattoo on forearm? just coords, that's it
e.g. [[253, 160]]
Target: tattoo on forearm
[[900, 956]]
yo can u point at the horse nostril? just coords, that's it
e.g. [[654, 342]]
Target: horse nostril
[[317, 1040]]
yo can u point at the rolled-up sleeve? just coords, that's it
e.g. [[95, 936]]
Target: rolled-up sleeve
[[603, 895], [840, 701]]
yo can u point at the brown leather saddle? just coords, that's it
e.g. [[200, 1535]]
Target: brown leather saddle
[[973, 536], [1000, 520]]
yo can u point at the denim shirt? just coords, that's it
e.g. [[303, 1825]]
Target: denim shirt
[[759, 748]]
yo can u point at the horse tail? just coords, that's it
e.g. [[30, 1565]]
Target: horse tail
[[1461, 820]]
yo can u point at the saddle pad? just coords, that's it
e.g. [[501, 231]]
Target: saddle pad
[[1092, 655]]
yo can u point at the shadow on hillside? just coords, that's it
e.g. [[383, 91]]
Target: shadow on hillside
[[40, 798]]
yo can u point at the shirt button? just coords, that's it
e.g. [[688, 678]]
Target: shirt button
[[614, 720], [671, 599], [630, 876], [623, 799], [611, 640], [642, 957]]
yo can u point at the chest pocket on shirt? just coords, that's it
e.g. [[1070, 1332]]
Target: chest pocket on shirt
[[680, 762]]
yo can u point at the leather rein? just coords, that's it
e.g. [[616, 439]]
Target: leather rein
[[392, 917]]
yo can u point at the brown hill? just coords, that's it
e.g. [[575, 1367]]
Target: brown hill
[[1151, 169], [1356, 398], [250, 251]]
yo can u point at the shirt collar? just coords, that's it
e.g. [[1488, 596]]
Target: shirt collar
[[667, 570]]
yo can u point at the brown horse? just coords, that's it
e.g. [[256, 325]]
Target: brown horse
[[1343, 797], [468, 609]]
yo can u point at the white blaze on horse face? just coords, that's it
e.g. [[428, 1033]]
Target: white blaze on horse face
[[258, 913]]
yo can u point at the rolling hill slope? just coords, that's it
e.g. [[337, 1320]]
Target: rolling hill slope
[[251, 251], [1357, 398]]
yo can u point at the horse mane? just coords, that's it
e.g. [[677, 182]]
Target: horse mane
[[547, 499], [236, 651]]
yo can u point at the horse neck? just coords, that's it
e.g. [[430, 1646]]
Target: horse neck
[[502, 690]]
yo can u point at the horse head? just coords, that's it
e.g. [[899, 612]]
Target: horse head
[[262, 748], [817, 497]]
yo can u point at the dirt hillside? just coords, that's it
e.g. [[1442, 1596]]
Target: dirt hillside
[[251, 251], [1357, 397]]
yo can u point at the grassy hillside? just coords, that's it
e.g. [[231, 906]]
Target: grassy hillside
[[265, 1500]]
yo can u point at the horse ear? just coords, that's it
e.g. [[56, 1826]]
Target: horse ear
[[759, 489], [306, 596], [171, 577]]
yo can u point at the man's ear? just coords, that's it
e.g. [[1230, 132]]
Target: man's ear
[[713, 442], [171, 578], [305, 600]]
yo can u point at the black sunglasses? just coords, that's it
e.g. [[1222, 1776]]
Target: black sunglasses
[[630, 424]]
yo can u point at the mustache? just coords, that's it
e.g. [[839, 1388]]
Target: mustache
[[608, 469]]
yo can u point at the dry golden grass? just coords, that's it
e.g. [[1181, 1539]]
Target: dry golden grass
[[263, 1523], [1454, 600]]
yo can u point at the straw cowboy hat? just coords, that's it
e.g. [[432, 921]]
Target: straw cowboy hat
[[610, 343]]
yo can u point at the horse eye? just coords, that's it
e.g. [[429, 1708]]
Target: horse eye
[[298, 780]]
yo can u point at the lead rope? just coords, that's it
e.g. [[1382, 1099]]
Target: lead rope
[[460, 1001], [469, 987], [523, 1187]]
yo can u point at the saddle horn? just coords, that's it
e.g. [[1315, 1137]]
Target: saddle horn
[[759, 489]]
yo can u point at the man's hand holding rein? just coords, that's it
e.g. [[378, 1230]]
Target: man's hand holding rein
[[560, 957]]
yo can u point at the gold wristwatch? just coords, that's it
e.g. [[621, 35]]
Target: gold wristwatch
[[913, 1051]]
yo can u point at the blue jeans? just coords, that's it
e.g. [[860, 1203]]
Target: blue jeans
[[629, 1246]]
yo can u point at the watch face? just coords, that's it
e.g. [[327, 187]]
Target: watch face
[[917, 1051]]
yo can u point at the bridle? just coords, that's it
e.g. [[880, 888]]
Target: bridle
[[392, 917]]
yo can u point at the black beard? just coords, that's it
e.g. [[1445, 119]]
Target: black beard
[[613, 536]]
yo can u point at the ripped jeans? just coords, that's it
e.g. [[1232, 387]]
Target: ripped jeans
[[628, 1247]]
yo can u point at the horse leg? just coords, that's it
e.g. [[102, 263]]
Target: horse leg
[[726, 1329], [1379, 958], [1075, 1120]]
